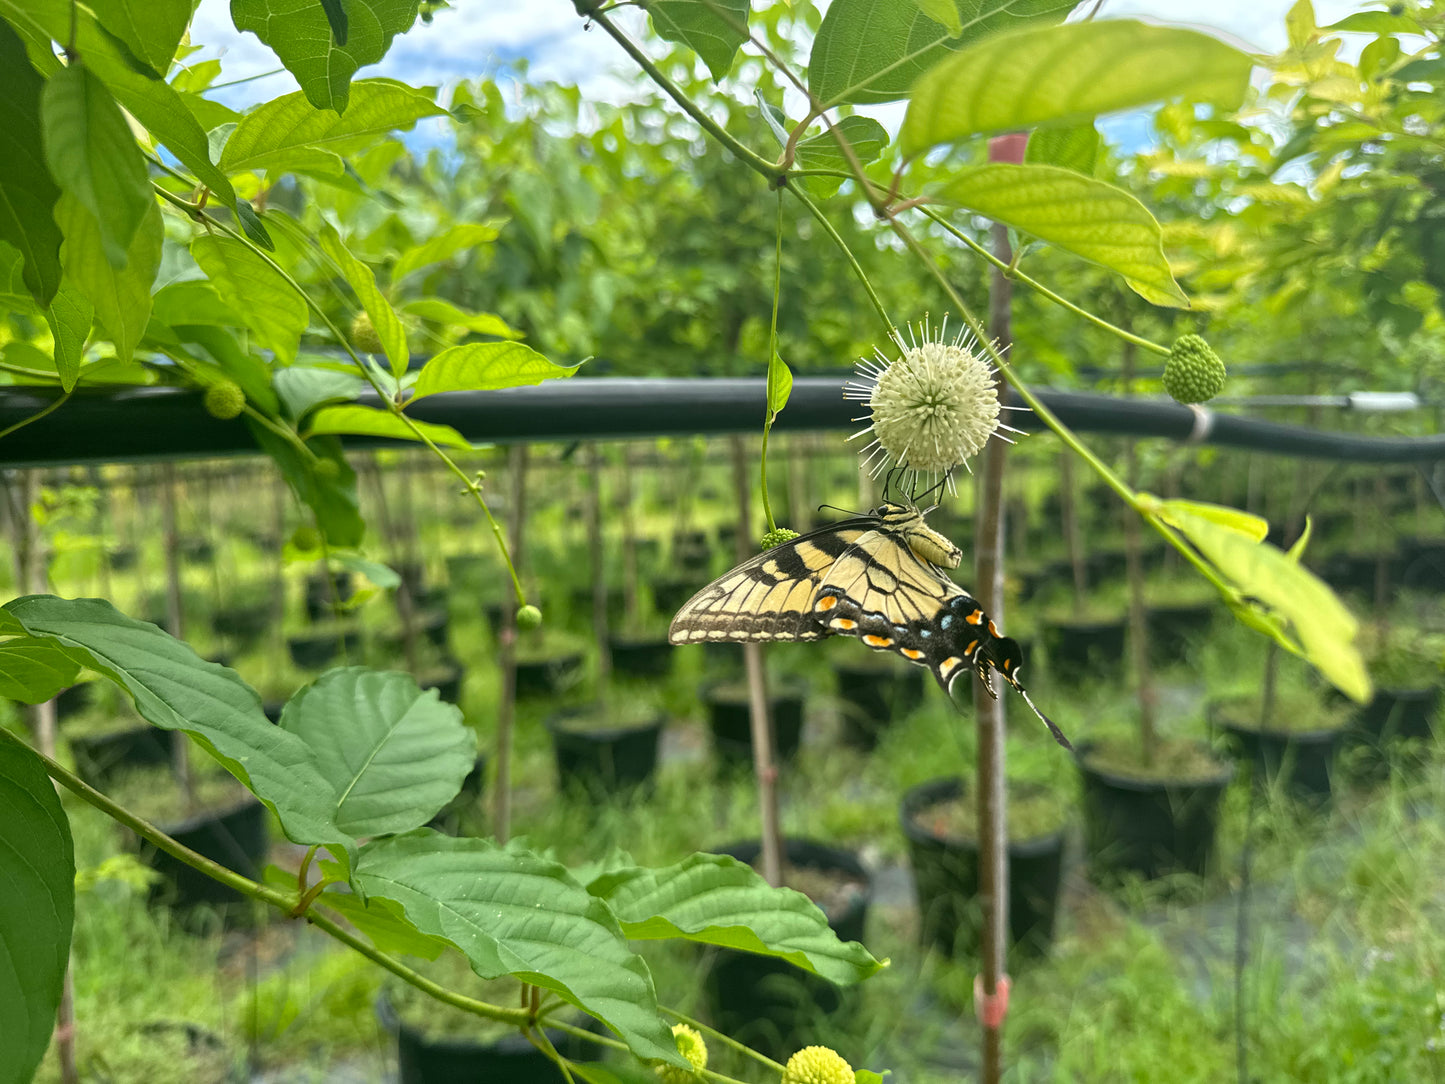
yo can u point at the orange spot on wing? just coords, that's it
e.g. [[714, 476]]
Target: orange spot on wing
[[948, 664], [912, 653], [972, 644], [827, 602], [844, 623], [993, 629], [975, 618], [876, 641]]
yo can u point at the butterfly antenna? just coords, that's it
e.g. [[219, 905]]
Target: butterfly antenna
[[835, 508], [1053, 728]]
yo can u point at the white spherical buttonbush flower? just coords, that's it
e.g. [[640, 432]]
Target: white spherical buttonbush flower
[[932, 408]]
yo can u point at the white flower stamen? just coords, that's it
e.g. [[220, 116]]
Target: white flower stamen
[[932, 409]]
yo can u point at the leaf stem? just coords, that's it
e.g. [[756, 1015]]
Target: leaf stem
[[773, 360], [23, 422]]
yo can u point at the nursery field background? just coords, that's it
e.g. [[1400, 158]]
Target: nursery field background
[[215, 327]]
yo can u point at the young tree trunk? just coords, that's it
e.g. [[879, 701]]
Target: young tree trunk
[[592, 503], [1138, 613], [405, 604], [760, 720], [507, 707]]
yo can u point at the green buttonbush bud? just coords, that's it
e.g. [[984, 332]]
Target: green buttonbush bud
[[1193, 373], [225, 400], [777, 536], [817, 1065], [691, 1046], [306, 539], [529, 618], [364, 336]]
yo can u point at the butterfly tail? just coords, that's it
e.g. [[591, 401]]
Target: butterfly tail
[[1007, 658]]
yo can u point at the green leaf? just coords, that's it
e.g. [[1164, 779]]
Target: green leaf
[[121, 298], [1246, 523], [27, 191], [255, 290], [383, 922], [288, 132], [1090, 218], [1075, 148], [363, 282], [299, 34], [175, 689], [1298, 549], [330, 495], [379, 574], [485, 367], [874, 50], [1064, 75], [70, 317], [1376, 22], [369, 421], [866, 135], [192, 301], [867, 1076], [92, 154], [252, 225], [336, 17], [718, 900], [513, 913], [713, 29], [444, 312], [37, 910], [34, 670], [780, 386], [151, 29], [1323, 630], [393, 754], [443, 246], [944, 12], [304, 387]]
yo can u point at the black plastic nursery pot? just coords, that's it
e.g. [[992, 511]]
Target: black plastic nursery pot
[[874, 692], [244, 622], [1303, 761], [122, 558], [235, 836], [1149, 827], [322, 595], [945, 877], [547, 676], [99, 758], [512, 1059], [434, 627], [669, 596], [312, 652], [196, 550], [603, 759], [730, 720], [468, 797], [1398, 714], [1081, 650], [767, 1003], [648, 657], [1173, 630]]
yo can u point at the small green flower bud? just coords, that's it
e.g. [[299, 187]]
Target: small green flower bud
[[225, 400], [529, 618], [777, 536], [306, 539], [1193, 373], [817, 1065], [364, 336], [691, 1046]]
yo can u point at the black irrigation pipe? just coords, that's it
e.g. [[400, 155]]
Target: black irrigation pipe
[[108, 425]]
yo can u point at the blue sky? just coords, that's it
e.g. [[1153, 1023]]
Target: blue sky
[[471, 40]]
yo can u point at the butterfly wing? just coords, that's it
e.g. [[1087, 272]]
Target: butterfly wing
[[770, 596]]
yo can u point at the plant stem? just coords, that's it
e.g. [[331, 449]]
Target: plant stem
[[1138, 614], [726, 1040], [773, 359], [23, 422]]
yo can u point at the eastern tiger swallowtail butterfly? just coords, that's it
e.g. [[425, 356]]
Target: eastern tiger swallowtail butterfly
[[878, 577]]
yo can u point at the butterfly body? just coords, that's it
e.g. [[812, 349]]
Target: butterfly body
[[879, 578]]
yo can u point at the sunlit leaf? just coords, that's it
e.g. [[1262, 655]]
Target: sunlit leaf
[[151, 29], [30, 191], [34, 670], [441, 311], [443, 246], [713, 29], [372, 422], [1075, 148], [384, 320], [121, 298], [70, 316], [864, 134], [486, 367], [1090, 218], [255, 291]]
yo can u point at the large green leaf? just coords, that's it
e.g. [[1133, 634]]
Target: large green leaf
[[864, 134], [176, 689], [303, 387], [718, 900], [713, 29], [369, 421], [873, 50], [27, 191], [151, 29], [513, 913], [442, 246], [486, 367], [94, 157], [1064, 75], [33, 670], [384, 319], [70, 316], [255, 290], [289, 132], [1090, 218], [444, 312], [1075, 147], [121, 298], [300, 35], [393, 754], [192, 301], [383, 921], [37, 910], [1319, 626]]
